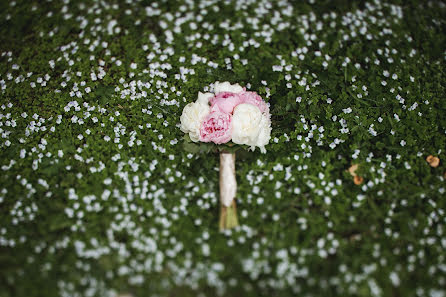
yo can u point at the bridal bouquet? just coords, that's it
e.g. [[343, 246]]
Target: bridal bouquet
[[229, 116]]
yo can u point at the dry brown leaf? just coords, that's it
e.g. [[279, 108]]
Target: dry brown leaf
[[433, 161], [352, 169], [358, 180]]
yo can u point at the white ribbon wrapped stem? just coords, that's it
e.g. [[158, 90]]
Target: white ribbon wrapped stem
[[228, 183]]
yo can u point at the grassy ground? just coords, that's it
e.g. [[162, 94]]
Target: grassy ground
[[98, 195]]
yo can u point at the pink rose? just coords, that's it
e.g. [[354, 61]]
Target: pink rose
[[225, 102], [254, 99], [216, 127]]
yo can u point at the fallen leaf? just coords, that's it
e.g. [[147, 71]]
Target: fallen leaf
[[358, 180], [433, 161], [352, 169]]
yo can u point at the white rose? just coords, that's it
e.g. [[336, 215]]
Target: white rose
[[265, 133], [227, 87], [191, 118], [246, 122]]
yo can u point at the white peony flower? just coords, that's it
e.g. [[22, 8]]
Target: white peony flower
[[203, 98], [227, 87], [192, 116], [265, 133], [246, 122]]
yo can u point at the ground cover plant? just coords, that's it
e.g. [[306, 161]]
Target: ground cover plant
[[100, 194]]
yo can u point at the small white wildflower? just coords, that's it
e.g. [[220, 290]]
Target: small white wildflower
[[347, 110]]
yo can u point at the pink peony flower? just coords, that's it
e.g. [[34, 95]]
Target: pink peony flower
[[216, 127], [254, 99], [225, 102]]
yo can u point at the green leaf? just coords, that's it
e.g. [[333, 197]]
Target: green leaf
[[191, 147], [186, 137]]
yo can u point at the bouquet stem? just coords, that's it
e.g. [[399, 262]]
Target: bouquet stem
[[228, 189]]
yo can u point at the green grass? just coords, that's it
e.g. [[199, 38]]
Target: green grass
[[98, 195]]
